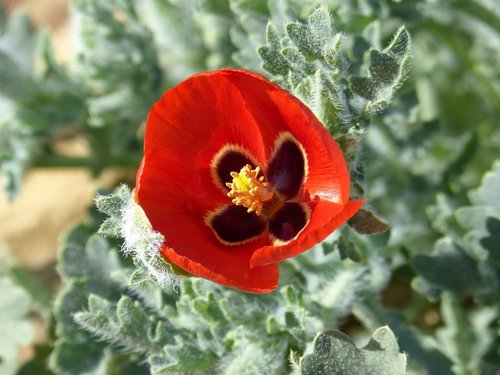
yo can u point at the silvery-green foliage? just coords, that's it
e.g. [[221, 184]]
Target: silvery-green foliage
[[310, 60], [15, 75], [345, 60], [467, 337], [30, 98], [86, 264], [335, 353], [205, 328], [387, 70], [213, 330], [468, 251], [15, 328], [424, 354], [206, 35], [231, 328], [463, 264], [117, 63], [127, 220]]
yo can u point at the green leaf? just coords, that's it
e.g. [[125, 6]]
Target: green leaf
[[181, 358], [387, 70], [492, 242], [335, 353], [85, 263], [128, 221], [311, 38], [15, 329], [383, 68], [70, 357], [329, 104], [422, 349], [33, 90], [133, 320], [126, 325], [347, 249], [209, 308], [365, 222], [118, 65], [75, 351], [448, 268], [273, 61], [258, 357], [113, 206], [466, 337], [488, 195], [39, 290], [18, 46]]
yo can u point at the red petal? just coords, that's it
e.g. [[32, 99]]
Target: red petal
[[195, 120], [325, 217], [277, 111], [230, 106], [189, 242]]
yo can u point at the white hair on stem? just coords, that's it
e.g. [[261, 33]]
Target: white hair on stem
[[144, 244]]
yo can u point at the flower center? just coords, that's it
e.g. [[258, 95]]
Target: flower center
[[249, 190]]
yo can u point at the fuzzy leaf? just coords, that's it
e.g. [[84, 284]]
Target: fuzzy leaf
[[18, 42], [128, 221], [185, 358], [33, 90], [117, 62], [85, 263], [312, 37], [365, 222], [263, 357], [492, 241], [387, 70], [460, 262], [273, 61], [335, 353], [488, 195], [448, 268], [125, 325], [347, 249], [15, 329], [112, 205], [465, 337]]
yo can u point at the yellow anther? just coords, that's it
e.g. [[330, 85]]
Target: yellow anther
[[249, 190]]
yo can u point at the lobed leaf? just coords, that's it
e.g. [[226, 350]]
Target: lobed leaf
[[335, 353], [85, 263], [387, 70]]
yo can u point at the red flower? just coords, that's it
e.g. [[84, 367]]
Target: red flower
[[238, 175]]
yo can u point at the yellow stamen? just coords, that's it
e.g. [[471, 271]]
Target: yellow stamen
[[248, 190]]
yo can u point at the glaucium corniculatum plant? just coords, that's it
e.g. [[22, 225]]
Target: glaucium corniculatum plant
[[420, 299]]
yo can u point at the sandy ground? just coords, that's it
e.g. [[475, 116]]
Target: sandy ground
[[51, 200]]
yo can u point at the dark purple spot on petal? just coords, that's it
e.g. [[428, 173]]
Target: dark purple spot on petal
[[288, 221], [234, 224], [230, 161], [286, 170]]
